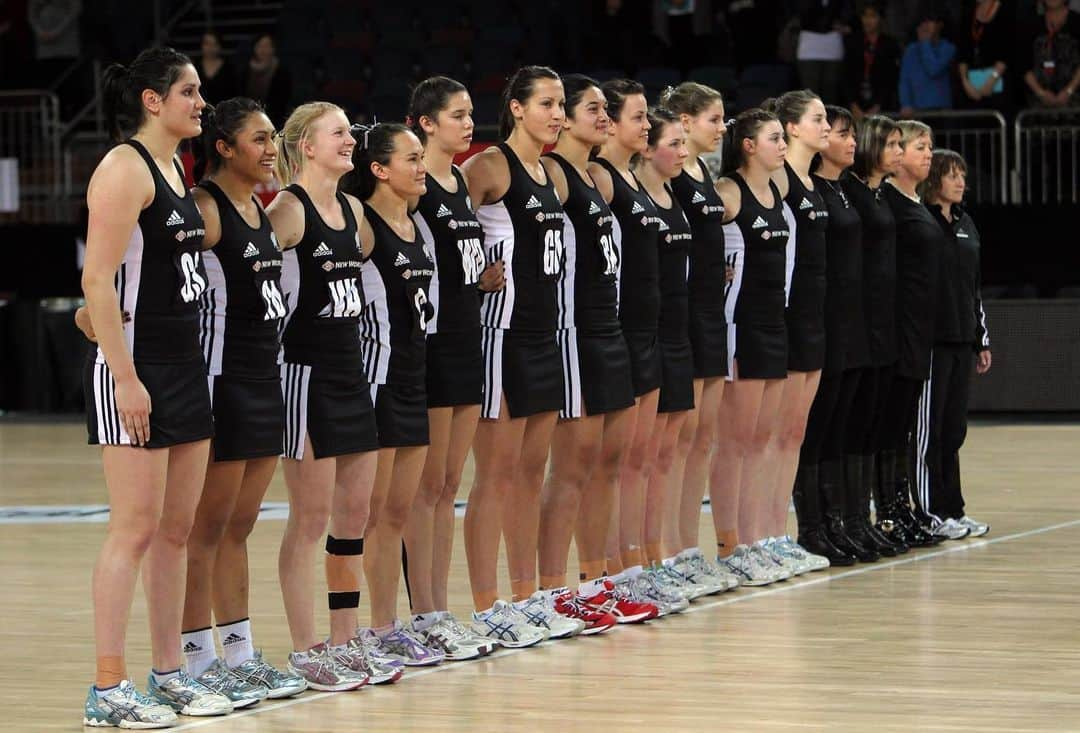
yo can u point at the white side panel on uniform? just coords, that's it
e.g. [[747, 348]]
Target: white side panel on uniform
[[497, 309], [565, 291], [789, 216], [424, 232], [375, 326], [212, 305], [735, 256]]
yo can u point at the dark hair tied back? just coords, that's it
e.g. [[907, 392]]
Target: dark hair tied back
[[156, 69], [520, 86], [430, 97], [221, 122], [374, 144]]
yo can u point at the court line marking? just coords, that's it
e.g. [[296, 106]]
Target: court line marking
[[753, 593]]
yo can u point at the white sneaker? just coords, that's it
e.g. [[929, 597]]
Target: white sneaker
[[950, 529], [771, 560], [978, 529], [814, 562], [539, 611], [795, 558], [713, 570], [685, 567], [483, 644], [747, 567], [501, 623]]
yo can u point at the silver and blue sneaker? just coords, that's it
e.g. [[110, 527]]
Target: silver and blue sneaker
[[125, 707], [770, 559], [401, 644], [691, 572], [187, 696], [978, 529], [504, 625], [219, 678], [748, 567], [661, 588], [950, 529], [277, 684], [539, 610], [787, 545]]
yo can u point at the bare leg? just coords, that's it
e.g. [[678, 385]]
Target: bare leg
[[354, 483], [521, 511], [135, 478], [667, 471], [462, 430], [633, 480], [753, 494], [742, 400], [655, 492], [166, 561], [420, 529], [677, 473], [698, 462], [598, 498]]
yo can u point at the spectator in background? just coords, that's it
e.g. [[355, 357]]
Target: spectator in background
[[926, 70], [266, 80], [820, 55], [56, 35], [872, 62], [984, 46], [1054, 72], [216, 72]]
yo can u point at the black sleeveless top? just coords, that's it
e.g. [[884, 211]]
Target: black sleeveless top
[[845, 329], [636, 230], [162, 275], [705, 212], [447, 223], [242, 308], [675, 240], [756, 241], [879, 269], [588, 293], [524, 228], [393, 328], [806, 300], [324, 272]]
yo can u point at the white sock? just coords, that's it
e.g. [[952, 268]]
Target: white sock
[[590, 588], [668, 561], [631, 573], [236, 642], [422, 621], [688, 553], [199, 652]]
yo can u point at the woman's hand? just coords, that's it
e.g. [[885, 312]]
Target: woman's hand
[[133, 406], [493, 278], [982, 365]]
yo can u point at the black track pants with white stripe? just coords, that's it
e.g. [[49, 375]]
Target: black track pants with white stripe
[[940, 431]]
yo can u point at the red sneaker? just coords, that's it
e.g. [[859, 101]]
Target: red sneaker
[[625, 609], [577, 606]]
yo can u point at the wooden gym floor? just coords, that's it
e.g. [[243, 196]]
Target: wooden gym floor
[[978, 635]]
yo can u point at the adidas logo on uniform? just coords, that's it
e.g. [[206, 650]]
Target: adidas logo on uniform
[[593, 208], [322, 251], [663, 226], [401, 260], [759, 223], [233, 638], [191, 647], [250, 251], [532, 203], [637, 208], [805, 204], [698, 198], [442, 212], [174, 219]]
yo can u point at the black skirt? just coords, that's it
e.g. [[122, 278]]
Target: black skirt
[[525, 368], [330, 406], [455, 369], [677, 387], [179, 403], [758, 351], [596, 373], [708, 342], [401, 415], [249, 417], [644, 350]]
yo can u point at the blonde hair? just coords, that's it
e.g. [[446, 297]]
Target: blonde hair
[[689, 98], [912, 129], [297, 129]]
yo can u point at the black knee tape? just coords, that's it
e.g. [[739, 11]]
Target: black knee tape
[[348, 599], [334, 546]]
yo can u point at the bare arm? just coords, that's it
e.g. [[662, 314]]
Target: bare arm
[[119, 190], [487, 176], [602, 178], [730, 194], [558, 178], [363, 227], [286, 215], [211, 216]]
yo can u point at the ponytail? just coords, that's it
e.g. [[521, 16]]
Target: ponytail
[[156, 69]]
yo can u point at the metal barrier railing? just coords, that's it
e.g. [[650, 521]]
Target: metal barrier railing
[[980, 136], [1047, 148], [29, 133]]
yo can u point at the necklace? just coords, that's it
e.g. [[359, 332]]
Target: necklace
[[837, 189], [904, 193]]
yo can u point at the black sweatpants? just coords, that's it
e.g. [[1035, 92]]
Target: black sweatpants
[[865, 420], [940, 432], [826, 425]]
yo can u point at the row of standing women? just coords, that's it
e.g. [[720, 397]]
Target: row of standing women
[[582, 302]]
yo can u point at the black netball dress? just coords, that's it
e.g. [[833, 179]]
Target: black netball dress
[[455, 363], [845, 329], [756, 241], [159, 283], [327, 397], [596, 363], [635, 229], [240, 316], [806, 296], [522, 361], [676, 355], [707, 326], [879, 269], [393, 331]]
